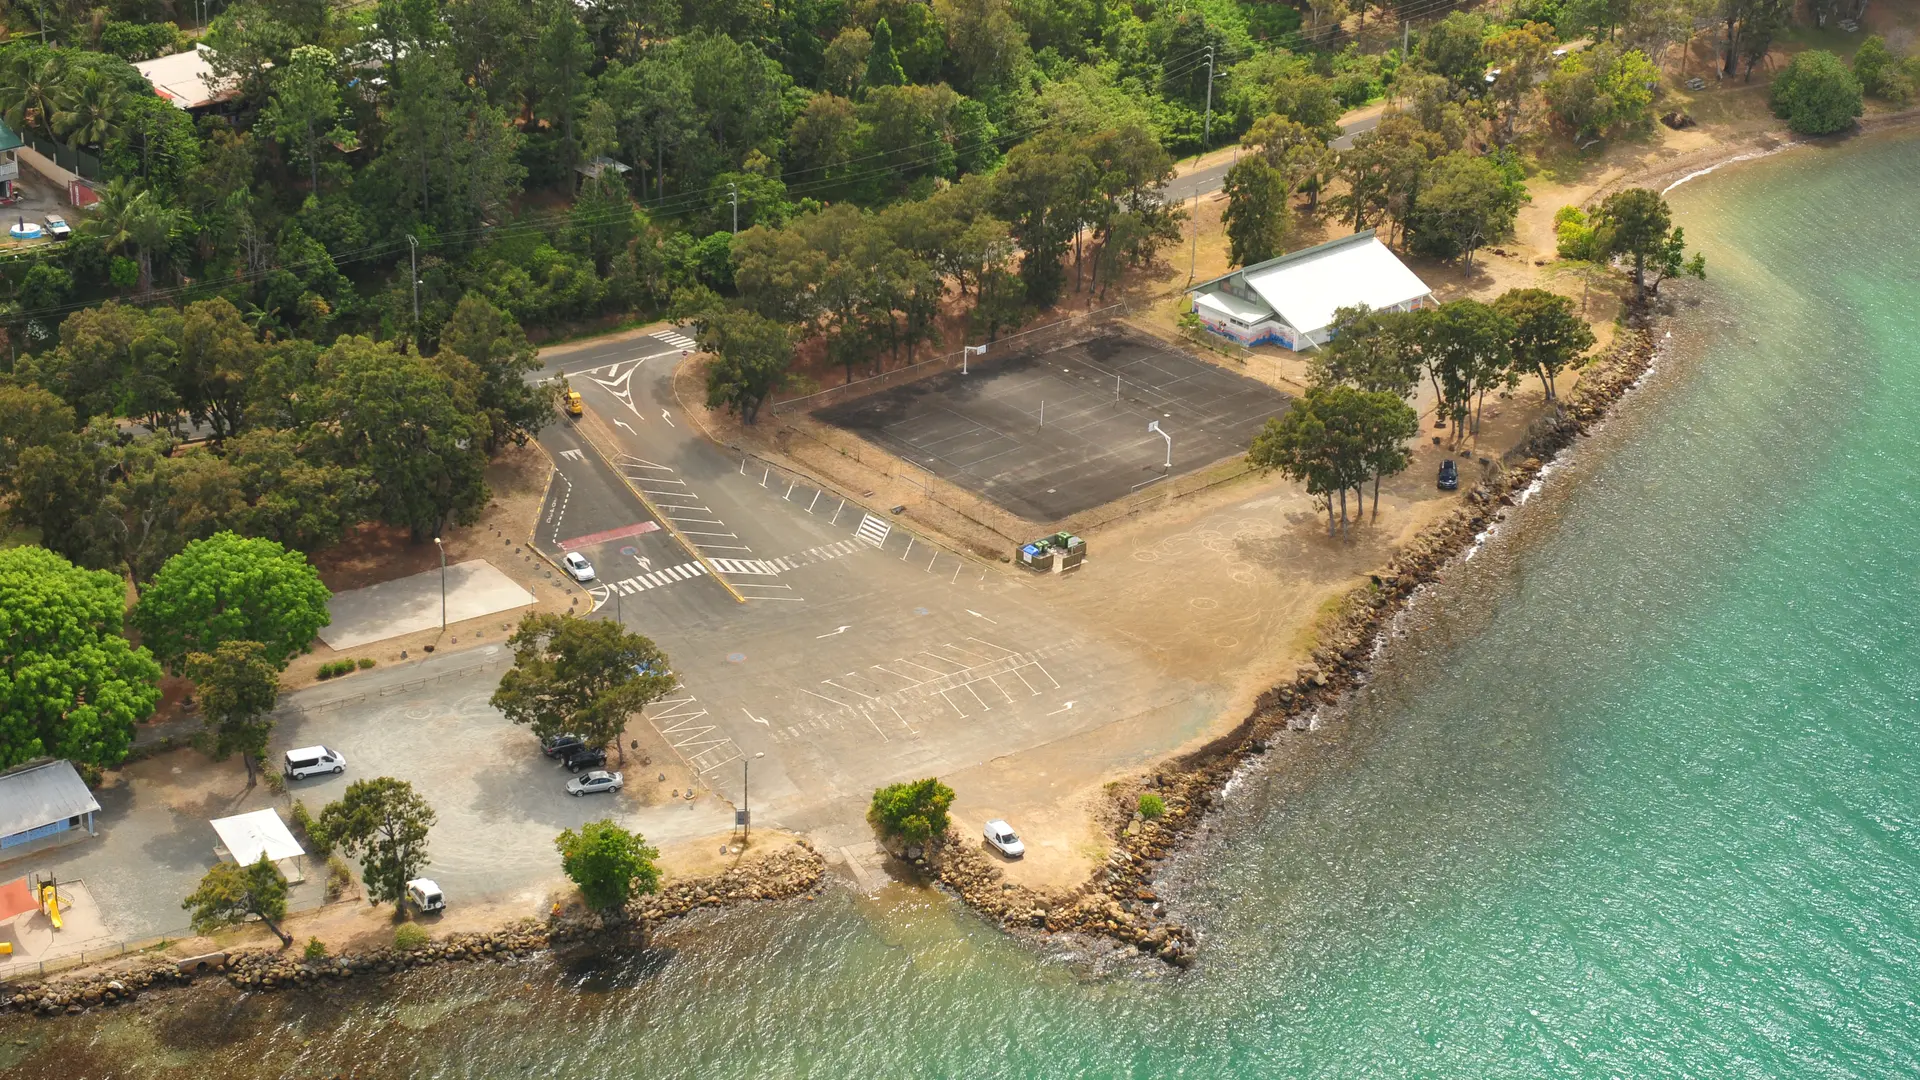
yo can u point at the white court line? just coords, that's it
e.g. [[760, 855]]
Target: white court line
[[848, 689]]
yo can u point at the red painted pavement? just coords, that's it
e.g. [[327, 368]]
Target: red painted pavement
[[610, 534]]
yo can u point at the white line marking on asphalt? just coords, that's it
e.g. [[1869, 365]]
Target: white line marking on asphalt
[[977, 615], [1057, 712], [668, 419], [840, 630]]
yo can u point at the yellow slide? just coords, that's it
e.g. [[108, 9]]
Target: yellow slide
[[50, 902]]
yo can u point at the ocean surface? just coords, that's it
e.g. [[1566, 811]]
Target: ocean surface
[[1636, 792]]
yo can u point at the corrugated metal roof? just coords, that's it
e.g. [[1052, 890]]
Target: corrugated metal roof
[[1306, 287], [41, 795]]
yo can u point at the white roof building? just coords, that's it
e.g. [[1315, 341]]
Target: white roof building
[[1290, 300], [246, 837], [185, 79]]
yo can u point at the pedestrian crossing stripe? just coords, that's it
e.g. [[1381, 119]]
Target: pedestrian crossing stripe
[[678, 341], [873, 530], [654, 580]]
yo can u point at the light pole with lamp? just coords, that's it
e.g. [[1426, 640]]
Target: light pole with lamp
[[746, 811], [443, 583]]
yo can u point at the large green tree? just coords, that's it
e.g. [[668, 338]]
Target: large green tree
[[1466, 202], [1816, 94], [400, 420], [230, 893], [1548, 337], [580, 676], [1256, 216], [305, 113], [1468, 349], [609, 863], [1638, 226], [238, 687], [488, 356], [70, 685], [382, 822], [912, 811], [232, 588], [1371, 350], [752, 356]]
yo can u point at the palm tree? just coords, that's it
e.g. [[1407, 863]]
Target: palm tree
[[153, 228], [128, 214], [90, 108], [30, 85]]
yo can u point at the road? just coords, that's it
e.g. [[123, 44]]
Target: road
[[1210, 179]]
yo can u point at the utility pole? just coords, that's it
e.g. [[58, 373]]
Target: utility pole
[[733, 196], [443, 583], [413, 260], [1406, 35], [1206, 139], [1193, 253]]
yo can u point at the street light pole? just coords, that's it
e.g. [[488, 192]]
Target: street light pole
[[745, 807], [1206, 139], [443, 583], [413, 260]]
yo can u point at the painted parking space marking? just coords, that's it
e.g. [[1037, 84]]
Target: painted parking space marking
[[683, 722]]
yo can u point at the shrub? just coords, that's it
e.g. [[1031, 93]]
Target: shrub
[[339, 877], [409, 936], [1576, 237], [1816, 94], [308, 827], [276, 782], [1151, 806], [315, 950], [914, 811], [366, 662]]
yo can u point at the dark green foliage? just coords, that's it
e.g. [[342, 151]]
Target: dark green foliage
[[384, 824], [581, 676], [913, 812], [1256, 217], [1151, 806], [1816, 94], [230, 893], [238, 688]]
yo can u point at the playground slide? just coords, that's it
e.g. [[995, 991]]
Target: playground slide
[[50, 900]]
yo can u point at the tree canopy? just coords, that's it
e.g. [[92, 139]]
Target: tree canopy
[[1816, 94], [384, 824], [232, 588], [913, 811], [609, 863], [70, 685], [584, 677], [231, 893]]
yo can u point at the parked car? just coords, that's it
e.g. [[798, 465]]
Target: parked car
[[314, 760], [596, 781], [578, 566], [57, 227], [1004, 839], [559, 746], [1449, 475], [575, 406], [585, 757], [425, 895]]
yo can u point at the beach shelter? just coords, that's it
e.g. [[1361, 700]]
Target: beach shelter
[[246, 837]]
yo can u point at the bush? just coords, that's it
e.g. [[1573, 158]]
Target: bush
[[339, 877], [140, 41], [333, 669], [914, 811], [1816, 94], [276, 782], [315, 950], [409, 936], [310, 829], [1576, 237], [366, 662], [1151, 806]]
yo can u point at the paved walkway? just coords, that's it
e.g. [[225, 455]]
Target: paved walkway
[[392, 608]]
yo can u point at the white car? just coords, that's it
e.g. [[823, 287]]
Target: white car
[[58, 227], [314, 760], [425, 895], [1004, 839], [578, 566], [597, 780]]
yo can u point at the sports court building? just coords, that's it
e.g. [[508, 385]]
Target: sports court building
[[1290, 301]]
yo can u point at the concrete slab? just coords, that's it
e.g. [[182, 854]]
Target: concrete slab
[[392, 608]]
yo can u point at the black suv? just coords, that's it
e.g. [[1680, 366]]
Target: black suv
[[559, 746], [1449, 475], [585, 757]]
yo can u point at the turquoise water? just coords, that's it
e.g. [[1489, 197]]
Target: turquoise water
[[1636, 794]]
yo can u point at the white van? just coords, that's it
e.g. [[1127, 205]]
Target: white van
[[424, 894], [309, 760]]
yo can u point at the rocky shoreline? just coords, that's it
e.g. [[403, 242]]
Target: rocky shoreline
[[795, 871], [1121, 903]]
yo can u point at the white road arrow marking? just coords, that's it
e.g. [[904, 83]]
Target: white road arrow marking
[[977, 615], [841, 630], [1057, 712], [668, 419], [645, 563], [754, 718], [626, 425]]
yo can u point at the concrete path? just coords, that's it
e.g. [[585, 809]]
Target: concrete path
[[402, 606]]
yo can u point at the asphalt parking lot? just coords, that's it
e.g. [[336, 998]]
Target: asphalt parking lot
[[1051, 433]]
